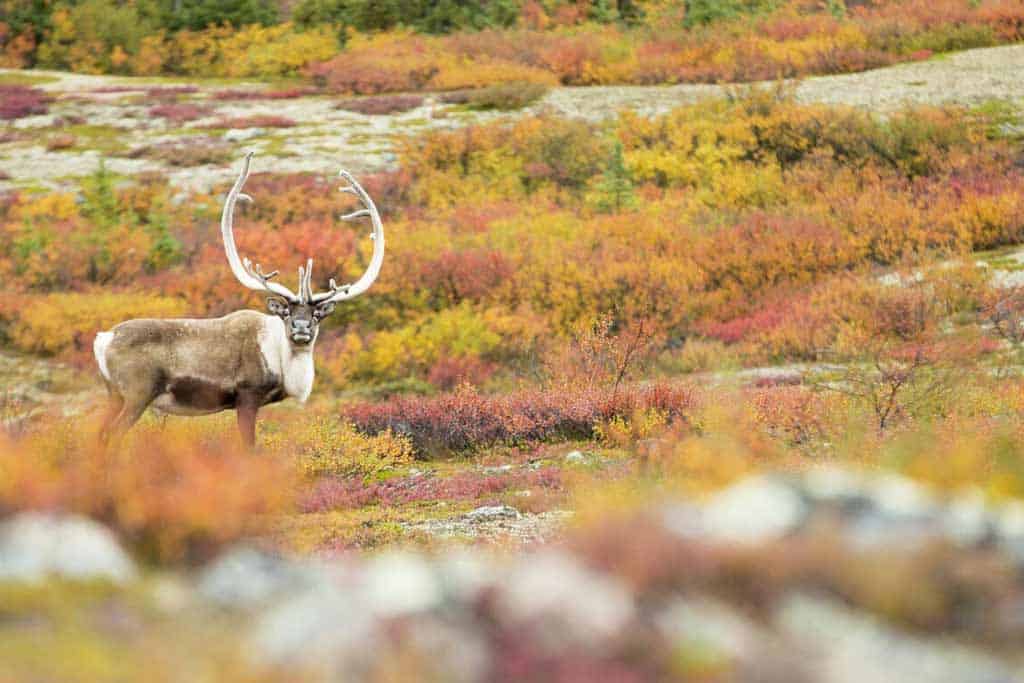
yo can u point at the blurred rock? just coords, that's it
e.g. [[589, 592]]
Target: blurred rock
[[399, 583], [36, 546], [710, 627], [456, 653], [564, 600], [838, 487], [967, 521], [682, 519], [326, 629], [902, 498], [755, 510], [1010, 530], [849, 647], [246, 578]]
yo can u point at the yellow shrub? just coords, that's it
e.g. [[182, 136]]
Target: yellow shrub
[[328, 447], [59, 322], [459, 332], [457, 73], [621, 432]]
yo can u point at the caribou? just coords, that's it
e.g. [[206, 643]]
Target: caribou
[[242, 361]]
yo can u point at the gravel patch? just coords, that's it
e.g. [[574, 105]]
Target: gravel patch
[[326, 138]]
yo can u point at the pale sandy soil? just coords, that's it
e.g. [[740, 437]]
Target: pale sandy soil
[[326, 138]]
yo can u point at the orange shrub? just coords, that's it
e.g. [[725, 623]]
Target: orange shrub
[[175, 493]]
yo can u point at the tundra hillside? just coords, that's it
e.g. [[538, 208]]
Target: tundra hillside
[[636, 397]]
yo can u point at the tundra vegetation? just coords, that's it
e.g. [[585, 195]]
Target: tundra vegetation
[[596, 317]]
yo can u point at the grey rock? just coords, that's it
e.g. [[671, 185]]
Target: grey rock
[[837, 487], [845, 646], [241, 134], [492, 512], [1010, 530], [966, 520], [564, 602], [713, 628], [755, 510], [400, 583], [900, 497], [247, 578], [325, 629], [36, 546]]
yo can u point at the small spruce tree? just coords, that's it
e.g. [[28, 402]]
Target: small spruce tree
[[614, 188]]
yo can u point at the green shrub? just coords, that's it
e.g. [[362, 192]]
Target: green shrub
[[701, 12], [198, 14], [428, 16]]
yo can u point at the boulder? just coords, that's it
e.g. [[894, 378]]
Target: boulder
[[756, 510], [34, 547]]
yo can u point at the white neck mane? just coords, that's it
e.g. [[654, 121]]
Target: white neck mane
[[294, 365]]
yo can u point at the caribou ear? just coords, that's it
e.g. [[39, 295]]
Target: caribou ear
[[324, 310], [277, 306]]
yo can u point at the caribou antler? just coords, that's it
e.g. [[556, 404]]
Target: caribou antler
[[369, 210], [253, 277]]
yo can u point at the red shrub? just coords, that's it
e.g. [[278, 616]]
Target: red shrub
[[448, 373], [340, 494], [392, 104], [17, 101], [179, 113], [258, 121], [461, 275], [738, 329], [466, 419], [290, 93]]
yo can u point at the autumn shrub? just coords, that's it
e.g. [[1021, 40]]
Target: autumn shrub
[[468, 420], [18, 101], [283, 94], [186, 155], [180, 113], [254, 121], [174, 494], [389, 49], [342, 494], [55, 323], [381, 105], [327, 447], [506, 96]]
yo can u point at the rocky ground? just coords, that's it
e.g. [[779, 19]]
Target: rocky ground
[[104, 117], [873, 587]]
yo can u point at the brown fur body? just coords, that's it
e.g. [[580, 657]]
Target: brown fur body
[[196, 367]]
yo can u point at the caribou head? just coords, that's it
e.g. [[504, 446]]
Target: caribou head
[[301, 312], [241, 361]]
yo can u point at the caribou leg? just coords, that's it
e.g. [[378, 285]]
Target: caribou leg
[[246, 411], [114, 407], [134, 401]]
